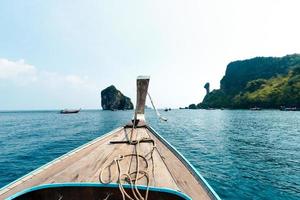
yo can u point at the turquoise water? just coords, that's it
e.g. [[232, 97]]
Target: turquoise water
[[242, 154]]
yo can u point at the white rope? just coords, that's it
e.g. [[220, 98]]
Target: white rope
[[129, 177], [157, 113], [133, 177]]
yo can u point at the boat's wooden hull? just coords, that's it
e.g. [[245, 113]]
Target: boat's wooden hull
[[69, 111], [83, 165], [93, 191]]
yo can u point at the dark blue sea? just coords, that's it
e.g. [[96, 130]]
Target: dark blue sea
[[242, 154]]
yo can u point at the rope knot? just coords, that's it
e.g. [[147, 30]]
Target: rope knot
[[134, 142]]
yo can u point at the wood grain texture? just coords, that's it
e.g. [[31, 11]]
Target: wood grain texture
[[84, 165]]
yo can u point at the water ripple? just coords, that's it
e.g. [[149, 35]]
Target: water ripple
[[242, 154]]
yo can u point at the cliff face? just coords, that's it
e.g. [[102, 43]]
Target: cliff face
[[267, 82], [113, 99], [239, 73]]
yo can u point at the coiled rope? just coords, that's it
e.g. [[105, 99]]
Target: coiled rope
[[132, 178]]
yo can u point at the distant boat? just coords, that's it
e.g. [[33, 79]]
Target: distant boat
[[69, 111], [283, 108], [131, 162], [210, 109], [255, 108]]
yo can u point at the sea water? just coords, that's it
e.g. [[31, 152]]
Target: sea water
[[242, 154]]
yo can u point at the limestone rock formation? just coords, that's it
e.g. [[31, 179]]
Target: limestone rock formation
[[192, 106], [113, 99], [266, 82], [206, 86]]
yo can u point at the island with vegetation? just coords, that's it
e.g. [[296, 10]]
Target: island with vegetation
[[265, 82], [113, 99]]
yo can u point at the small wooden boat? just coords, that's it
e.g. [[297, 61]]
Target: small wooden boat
[[283, 108], [255, 108], [68, 111], [210, 109], [132, 162]]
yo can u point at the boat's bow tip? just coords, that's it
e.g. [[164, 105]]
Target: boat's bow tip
[[142, 77]]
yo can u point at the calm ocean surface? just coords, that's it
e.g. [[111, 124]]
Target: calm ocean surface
[[242, 154]]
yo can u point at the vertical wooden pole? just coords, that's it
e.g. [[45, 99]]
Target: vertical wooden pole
[[142, 90]]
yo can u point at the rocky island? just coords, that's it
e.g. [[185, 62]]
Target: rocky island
[[113, 99], [266, 82]]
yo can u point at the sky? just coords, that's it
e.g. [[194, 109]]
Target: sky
[[61, 54]]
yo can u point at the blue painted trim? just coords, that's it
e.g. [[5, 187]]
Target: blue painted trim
[[100, 185], [49, 163], [188, 164]]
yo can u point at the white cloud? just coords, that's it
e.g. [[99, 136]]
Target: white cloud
[[17, 71], [74, 79], [26, 86], [22, 74], [78, 81]]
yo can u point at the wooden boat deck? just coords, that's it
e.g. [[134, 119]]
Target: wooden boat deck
[[85, 164]]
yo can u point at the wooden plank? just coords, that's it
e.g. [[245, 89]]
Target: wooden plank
[[160, 176], [184, 179], [46, 175], [85, 164]]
